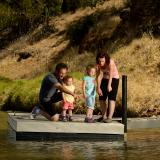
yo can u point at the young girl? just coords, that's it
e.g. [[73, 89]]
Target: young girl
[[107, 85], [68, 100], [89, 91]]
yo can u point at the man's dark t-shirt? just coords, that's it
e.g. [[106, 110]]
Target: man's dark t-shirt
[[48, 90]]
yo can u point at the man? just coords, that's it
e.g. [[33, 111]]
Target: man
[[51, 92]]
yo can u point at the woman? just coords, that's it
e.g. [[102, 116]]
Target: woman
[[107, 85]]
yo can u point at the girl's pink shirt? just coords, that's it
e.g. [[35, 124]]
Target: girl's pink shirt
[[105, 71]]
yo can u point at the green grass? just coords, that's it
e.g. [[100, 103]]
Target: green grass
[[77, 75], [22, 94], [19, 94]]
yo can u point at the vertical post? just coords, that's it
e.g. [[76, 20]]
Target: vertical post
[[124, 103]]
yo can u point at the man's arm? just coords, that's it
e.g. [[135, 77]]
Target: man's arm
[[64, 99], [63, 89]]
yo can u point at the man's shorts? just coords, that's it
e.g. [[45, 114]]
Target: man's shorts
[[68, 105], [111, 95], [50, 108], [90, 102]]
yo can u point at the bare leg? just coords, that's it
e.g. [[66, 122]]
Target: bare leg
[[70, 115], [50, 118], [111, 108], [46, 115], [64, 112], [104, 108], [55, 118], [70, 112], [89, 113]]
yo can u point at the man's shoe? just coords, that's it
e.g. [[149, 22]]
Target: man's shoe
[[35, 112], [32, 116]]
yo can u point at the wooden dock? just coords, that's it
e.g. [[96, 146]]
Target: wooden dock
[[41, 129]]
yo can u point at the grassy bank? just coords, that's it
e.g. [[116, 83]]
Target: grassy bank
[[19, 94], [135, 51], [22, 95], [139, 61]]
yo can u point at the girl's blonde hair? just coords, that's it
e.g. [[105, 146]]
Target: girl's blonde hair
[[89, 67], [65, 79]]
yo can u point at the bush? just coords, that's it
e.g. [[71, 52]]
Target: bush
[[91, 3], [26, 14], [76, 32], [6, 16], [72, 5], [22, 16]]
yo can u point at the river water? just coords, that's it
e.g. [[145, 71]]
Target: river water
[[141, 145]]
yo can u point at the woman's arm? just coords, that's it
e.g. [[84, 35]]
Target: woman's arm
[[63, 89], [109, 87], [99, 80], [75, 98], [83, 88], [95, 86]]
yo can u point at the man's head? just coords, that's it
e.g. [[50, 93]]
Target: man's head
[[61, 70]]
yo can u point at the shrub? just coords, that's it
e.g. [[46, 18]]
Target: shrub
[[6, 16], [76, 32], [72, 5]]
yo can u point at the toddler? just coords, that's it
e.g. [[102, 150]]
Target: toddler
[[68, 100], [89, 91]]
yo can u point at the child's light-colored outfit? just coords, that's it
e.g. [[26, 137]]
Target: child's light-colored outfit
[[69, 99], [90, 91]]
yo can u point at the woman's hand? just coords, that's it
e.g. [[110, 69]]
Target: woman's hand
[[75, 96], [109, 88], [99, 91], [84, 96]]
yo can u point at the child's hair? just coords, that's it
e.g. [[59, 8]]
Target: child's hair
[[89, 67], [65, 79]]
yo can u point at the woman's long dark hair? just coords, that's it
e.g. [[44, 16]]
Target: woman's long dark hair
[[103, 55]]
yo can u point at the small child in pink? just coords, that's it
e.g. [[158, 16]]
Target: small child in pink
[[68, 100]]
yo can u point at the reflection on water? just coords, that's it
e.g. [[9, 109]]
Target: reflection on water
[[141, 144]]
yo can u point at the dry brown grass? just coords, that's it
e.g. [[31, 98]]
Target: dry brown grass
[[48, 48], [140, 62]]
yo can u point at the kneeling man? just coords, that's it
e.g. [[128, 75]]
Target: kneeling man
[[51, 92]]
